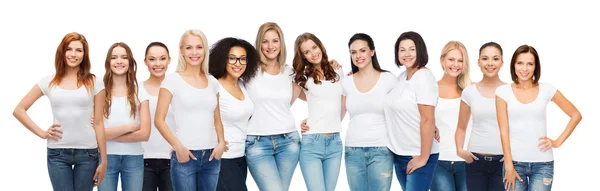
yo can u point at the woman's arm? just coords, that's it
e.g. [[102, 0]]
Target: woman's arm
[[143, 134], [461, 129], [343, 113], [20, 113], [221, 146], [99, 130], [569, 109], [502, 117], [162, 106], [427, 126], [296, 91]]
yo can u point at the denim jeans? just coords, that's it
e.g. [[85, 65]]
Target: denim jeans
[[233, 174], [369, 168], [449, 176], [537, 176], [157, 174], [200, 174], [72, 169], [131, 169], [418, 180], [320, 160], [272, 159], [485, 173]]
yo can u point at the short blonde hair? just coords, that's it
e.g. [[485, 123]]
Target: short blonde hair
[[182, 63], [463, 78], [259, 38]]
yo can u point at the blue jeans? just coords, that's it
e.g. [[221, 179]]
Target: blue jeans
[[272, 159], [320, 160], [72, 169], [485, 173], [418, 180], [157, 174], [537, 176], [369, 168], [449, 176], [199, 174], [233, 174], [131, 168]]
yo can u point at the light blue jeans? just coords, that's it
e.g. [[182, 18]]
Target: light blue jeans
[[320, 160], [369, 168], [537, 176], [272, 159], [131, 168]]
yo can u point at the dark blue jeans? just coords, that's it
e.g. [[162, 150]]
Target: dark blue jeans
[[72, 169], [418, 180], [233, 174], [449, 176], [157, 174], [198, 174], [485, 174]]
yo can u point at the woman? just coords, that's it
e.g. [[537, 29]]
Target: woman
[[321, 150], [156, 150], [521, 110], [369, 163], [127, 121], [75, 96], [234, 62], [450, 171], [484, 153], [198, 137], [409, 111], [272, 142]]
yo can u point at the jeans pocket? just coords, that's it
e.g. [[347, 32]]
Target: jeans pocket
[[308, 139], [93, 153], [250, 140], [54, 153], [293, 137]]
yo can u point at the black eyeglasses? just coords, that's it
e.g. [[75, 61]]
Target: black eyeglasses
[[233, 60]]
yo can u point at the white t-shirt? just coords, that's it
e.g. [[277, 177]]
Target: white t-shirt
[[73, 110], [367, 121], [156, 147], [446, 120], [402, 112], [271, 95], [527, 123], [194, 111], [485, 133], [235, 115], [120, 114], [324, 105]]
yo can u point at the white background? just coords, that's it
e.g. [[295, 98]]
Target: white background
[[565, 35]]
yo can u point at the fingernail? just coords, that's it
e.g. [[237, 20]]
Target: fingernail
[[476, 158]]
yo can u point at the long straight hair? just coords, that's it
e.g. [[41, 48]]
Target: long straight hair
[[84, 76], [131, 81]]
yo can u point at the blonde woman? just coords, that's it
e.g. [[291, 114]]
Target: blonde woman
[[194, 95], [450, 171]]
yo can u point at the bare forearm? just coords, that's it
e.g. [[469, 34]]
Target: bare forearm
[[114, 132], [575, 119], [101, 139], [22, 117], [136, 136], [427, 128], [164, 130], [459, 137]]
